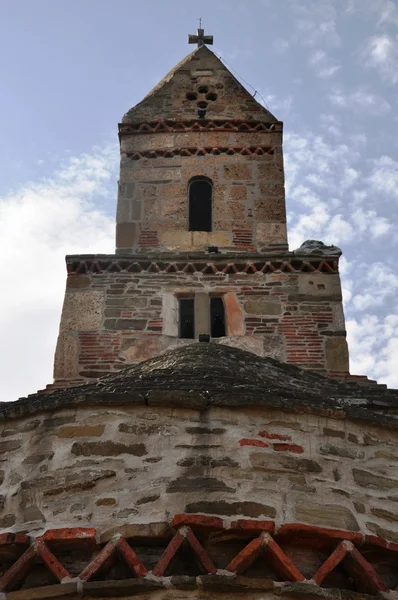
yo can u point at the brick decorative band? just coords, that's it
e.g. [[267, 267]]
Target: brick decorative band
[[204, 125], [170, 153], [285, 552], [98, 265]]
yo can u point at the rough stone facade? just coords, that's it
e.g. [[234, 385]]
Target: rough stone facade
[[106, 467], [110, 318]]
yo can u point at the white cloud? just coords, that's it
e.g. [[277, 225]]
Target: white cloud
[[373, 343], [39, 223], [382, 54], [315, 22], [323, 65], [361, 100], [384, 176]]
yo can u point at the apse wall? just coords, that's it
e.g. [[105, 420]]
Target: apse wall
[[109, 467]]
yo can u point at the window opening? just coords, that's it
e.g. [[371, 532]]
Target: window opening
[[217, 317], [187, 318], [200, 209]]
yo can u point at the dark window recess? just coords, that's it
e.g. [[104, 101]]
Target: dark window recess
[[200, 209], [187, 318], [217, 317]]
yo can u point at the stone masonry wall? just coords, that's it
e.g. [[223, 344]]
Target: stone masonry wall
[[113, 319], [246, 169], [106, 467]]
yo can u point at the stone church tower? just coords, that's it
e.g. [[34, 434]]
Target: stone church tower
[[214, 470], [201, 241]]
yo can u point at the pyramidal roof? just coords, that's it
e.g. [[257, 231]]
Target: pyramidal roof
[[199, 81]]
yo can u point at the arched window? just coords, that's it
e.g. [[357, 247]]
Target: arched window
[[200, 204]]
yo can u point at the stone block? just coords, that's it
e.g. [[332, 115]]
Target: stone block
[[234, 315], [204, 239], [284, 464], [271, 233], [238, 171], [337, 358], [126, 235], [262, 307], [221, 507], [76, 431], [270, 172], [123, 211], [170, 315], [136, 210], [329, 515], [77, 282], [107, 448], [319, 284], [342, 452], [202, 314], [176, 240], [151, 175], [66, 361], [204, 485], [373, 480]]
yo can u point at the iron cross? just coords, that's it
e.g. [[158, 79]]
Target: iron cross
[[200, 38]]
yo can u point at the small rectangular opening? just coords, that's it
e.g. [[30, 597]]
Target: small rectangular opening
[[187, 318], [217, 317]]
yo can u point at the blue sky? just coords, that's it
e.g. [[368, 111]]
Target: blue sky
[[71, 68]]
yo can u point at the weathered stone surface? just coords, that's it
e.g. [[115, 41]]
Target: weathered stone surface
[[221, 507], [76, 431], [226, 583], [333, 433], [308, 590], [148, 499], [66, 362], [337, 354], [10, 446], [373, 480], [105, 502], [107, 448], [234, 315], [384, 514], [35, 459], [7, 521], [53, 592], [330, 515], [207, 461], [284, 463], [262, 307], [33, 513], [77, 282], [82, 311], [81, 480], [341, 452], [320, 284], [198, 484]]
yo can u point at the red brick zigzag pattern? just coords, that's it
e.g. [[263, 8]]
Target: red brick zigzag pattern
[[134, 266], [196, 125], [341, 544], [170, 153]]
